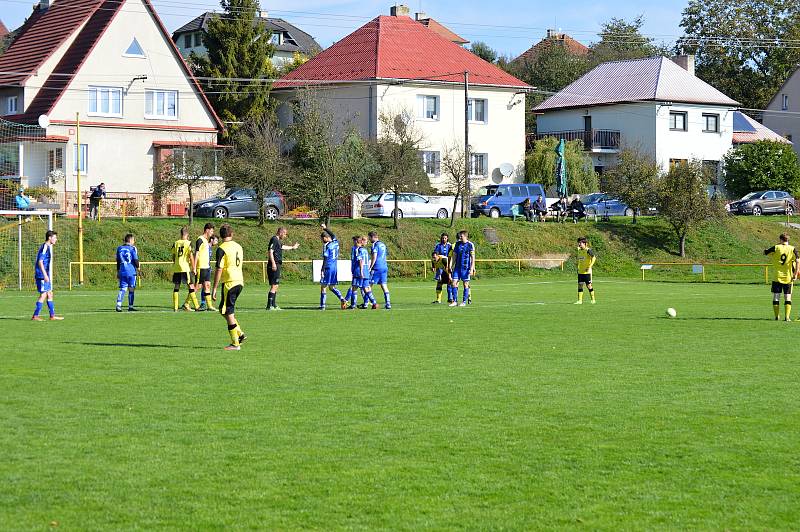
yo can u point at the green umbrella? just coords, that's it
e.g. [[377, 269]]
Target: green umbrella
[[561, 169]]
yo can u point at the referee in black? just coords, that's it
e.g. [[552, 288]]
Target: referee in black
[[274, 260]]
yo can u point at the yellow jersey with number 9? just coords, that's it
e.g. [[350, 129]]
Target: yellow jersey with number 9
[[181, 256], [230, 258], [783, 257]]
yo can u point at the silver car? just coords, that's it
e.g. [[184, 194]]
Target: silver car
[[410, 205]]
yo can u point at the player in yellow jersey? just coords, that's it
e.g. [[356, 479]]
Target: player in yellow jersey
[[182, 260], [230, 258], [202, 266], [586, 259], [785, 262]]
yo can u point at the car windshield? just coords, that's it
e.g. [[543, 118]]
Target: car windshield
[[487, 191], [591, 198], [752, 195], [373, 197], [224, 194]]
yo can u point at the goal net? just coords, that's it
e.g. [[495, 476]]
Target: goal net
[[21, 234]]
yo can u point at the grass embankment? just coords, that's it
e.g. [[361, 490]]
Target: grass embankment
[[620, 245]]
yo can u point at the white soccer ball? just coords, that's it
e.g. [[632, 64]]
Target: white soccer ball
[[671, 313]]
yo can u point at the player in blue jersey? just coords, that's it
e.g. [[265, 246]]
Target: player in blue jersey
[[329, 276], [350, 298], [379, 268], [364, 276], [440, 263], [462, 266], [127, 266], [43, 275]]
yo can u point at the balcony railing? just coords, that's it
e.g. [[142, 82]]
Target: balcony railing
[[595, 139]]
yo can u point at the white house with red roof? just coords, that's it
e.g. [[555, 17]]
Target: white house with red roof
[[650, 104], [112, 66], [394, 64]]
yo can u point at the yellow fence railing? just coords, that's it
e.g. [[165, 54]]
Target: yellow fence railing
[[703, 266]]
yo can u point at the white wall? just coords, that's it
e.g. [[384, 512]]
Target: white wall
[[693, 143], [779, 120]]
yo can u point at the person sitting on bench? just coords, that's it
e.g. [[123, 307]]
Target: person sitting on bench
[[560, 208], [23, 202], [577, 210], [540, 208], [526, 209]]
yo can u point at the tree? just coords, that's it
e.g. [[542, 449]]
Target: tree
[[745, 49], [239, 48], [258, 161], [540, 166], [399, 142], [187, 168], [484, 51], [622, 40], [454, 169], [332, 159], [762, 165], [683, 200], [634, 180]]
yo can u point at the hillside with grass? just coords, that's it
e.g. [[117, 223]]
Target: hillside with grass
[[621, 246]]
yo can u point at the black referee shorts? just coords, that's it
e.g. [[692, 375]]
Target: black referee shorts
[[227, 305], [274, 276], [777, 288]]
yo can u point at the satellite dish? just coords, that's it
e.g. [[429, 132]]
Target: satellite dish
[[507, 169], [44, 121]]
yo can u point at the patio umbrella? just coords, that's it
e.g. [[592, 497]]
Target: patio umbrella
[[561, 169]]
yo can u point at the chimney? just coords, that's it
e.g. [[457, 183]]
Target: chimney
[[686, 62], [420, 16], [44, 5], [551, 34], [400, 10], [263, 14]]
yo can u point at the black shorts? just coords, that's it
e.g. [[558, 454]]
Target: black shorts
[[585, 278], [227, 304], [777, 288], [445, 278], [204, 275], [180, 278], [274, 276]]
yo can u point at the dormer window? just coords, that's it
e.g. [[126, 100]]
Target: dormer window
[[134, 50], [275, 38]]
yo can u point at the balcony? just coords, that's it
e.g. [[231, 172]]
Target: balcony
[[596, 140]]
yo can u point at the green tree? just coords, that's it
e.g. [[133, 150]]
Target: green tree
[[484, 51], [540, 166], [762, 165], [622, 40], [187, 169], [238, 49], [743, 48], [634, 180], [684, 202], [454, 170]]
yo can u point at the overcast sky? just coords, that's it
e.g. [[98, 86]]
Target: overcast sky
[[509, 26]]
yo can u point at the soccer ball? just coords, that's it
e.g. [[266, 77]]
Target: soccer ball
[[671, 313]]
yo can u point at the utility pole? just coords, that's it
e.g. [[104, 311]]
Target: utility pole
[[467, 196]]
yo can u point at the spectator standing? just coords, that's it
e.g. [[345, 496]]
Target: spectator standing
[[98, 194]]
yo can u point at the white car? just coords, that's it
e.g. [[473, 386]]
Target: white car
[[410, 205]]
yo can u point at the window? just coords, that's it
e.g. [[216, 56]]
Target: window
[[519, 191], [785, 102], [478, 164], [161, 104], [428, 107], [275, 38], [677, 121], [711, 171], [12, 105], [105, 101], [55, 160], [187, 40], [198, 39], [477, 110], [431, 163], [710, 123], [84, 158], [675, 162], [203, 162], [134, 50]]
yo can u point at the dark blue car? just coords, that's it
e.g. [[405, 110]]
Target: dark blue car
[[602, 204]]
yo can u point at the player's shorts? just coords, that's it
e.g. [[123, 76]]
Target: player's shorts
[[778, 287], [379, 277], [42, 286], [274, 276], [329, 277], [442, 276], [180, 278], [127, 281], [585, 278], [460, 275], [227, 305], [360, 282], [204, 275]]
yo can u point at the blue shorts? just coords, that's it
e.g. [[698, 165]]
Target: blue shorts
[[379, 277], [360, 282], [43, 287], [460, 275], [329, 277], [127, 281]]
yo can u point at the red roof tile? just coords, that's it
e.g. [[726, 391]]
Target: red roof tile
[[444, 31], [397, 48], [553, 39], [3, 29]]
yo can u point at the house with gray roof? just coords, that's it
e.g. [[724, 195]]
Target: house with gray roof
[[656, 105], [287, 38]]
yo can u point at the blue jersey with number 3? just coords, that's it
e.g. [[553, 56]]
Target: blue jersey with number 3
[[127, 258], [379, 253]]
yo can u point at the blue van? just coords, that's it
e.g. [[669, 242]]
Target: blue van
[[496, 200]]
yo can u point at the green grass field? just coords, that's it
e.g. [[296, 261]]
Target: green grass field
[[520, 411]]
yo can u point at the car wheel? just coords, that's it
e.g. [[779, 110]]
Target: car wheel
[[271, 213], [757, 211], [629, 212], [441, 214], [494, 213], [399, 213], [790, 211], [220, 212]]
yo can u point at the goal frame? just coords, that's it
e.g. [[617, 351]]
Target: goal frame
[[19, 215]]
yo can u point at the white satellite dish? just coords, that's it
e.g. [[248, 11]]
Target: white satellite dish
[[507, 169], [44, 121]]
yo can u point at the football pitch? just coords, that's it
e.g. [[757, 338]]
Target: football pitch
[[520, 411]]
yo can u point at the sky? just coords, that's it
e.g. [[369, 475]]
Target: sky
[[510, 26]]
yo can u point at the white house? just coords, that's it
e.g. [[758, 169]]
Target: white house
[[394, 64], [781, 114], [650, 104], [113, 67]]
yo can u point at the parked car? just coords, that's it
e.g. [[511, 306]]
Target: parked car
[[764, 202], [496, 200], [604, 205], [239, 203], [410, 205]]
